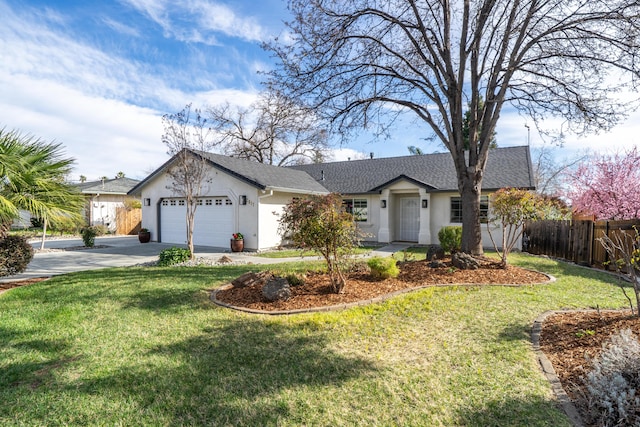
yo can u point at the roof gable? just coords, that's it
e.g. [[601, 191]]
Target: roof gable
[[259, 175]]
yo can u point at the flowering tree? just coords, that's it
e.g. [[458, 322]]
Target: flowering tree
[[607, 186]]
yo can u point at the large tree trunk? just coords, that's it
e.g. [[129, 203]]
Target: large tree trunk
[[471, 231]]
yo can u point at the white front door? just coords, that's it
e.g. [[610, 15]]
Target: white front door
[[409, 226]]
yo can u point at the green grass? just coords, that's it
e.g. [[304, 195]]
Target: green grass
[[293, 253], [144, 346]]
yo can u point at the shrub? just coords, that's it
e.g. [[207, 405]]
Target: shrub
[[614, 383], [89, 236], [296, 279], [173, 255], [383, 268], [450, 238], [15, 255]]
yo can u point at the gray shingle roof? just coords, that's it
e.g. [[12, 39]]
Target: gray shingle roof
[[263, 176], [257, 174], [108, 186], [506, 167]]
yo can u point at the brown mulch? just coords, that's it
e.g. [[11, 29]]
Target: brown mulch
[[10, 285], [316, 292], [572, 340]]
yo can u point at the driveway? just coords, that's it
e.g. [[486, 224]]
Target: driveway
[[120, 251], [124, 251]]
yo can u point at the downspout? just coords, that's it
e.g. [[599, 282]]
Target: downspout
[[159, 219]]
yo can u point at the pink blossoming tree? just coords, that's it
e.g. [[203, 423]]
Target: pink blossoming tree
[[607, 186]]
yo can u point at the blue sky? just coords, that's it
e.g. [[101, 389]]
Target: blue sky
[[98, 76]]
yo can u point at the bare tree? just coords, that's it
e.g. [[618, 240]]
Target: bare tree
[[363, 63], [187, 135], [274, 130], [550, 170]]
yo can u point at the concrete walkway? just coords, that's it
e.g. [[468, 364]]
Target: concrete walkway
[[123, 251]]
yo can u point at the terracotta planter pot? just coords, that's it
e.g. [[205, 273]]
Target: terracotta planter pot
[[144, 236], [237, 245]]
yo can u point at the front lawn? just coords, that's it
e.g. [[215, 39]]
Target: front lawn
[[144, 346]]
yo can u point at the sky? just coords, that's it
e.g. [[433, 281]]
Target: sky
[[97, 77]]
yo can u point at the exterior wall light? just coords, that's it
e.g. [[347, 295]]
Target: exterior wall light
[[383, 204], [425, 203]]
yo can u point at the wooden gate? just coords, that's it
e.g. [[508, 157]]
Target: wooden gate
[[128, 220]]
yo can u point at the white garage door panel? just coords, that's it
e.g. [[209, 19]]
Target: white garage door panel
[[213, 222]]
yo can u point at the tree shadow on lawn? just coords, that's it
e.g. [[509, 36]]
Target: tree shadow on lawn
[[514, 412], [47, 357], [231, 374]]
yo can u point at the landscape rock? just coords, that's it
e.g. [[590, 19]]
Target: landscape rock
[[251, 278], [435, 252], [464, 261], [276, 289], [437, 264]]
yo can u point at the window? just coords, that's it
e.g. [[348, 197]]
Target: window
[[208, 202], [357, 208], [173, 202], [199, 202], [456, 209], [228, 202], [180, 202], [165, 203], [218, 202]]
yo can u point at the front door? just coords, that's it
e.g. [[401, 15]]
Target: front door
[[409, 226]]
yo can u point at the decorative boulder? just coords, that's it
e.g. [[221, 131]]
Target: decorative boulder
[[435, 252], [464, 261], [437, 264], [249, 279], [276, 289]]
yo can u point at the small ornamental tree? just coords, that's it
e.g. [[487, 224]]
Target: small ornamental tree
[[321, 223], [510, 209]]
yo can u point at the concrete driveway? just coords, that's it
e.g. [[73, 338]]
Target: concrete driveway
[[120, 251], [124, 251]]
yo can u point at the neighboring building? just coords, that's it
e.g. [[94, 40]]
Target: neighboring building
[[393, 199], [104, 197]]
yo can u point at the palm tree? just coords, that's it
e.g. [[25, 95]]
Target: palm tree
[[33, 179]]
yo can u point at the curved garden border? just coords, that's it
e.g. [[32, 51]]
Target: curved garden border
[[377, 299]]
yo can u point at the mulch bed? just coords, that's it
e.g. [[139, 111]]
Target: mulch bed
[[316, 292], [572, 340], [10, 285]]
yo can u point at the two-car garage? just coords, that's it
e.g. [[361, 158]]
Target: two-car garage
[[214, 221]]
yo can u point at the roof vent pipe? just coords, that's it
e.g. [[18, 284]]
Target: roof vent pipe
[[322, 175], [371, 155]]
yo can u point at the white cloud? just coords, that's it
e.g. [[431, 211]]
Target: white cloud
[[178, 19]]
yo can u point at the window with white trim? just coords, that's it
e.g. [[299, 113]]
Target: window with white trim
[[358, 208], [456, 209]]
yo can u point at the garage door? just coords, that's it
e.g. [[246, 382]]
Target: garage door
[[213, 221]]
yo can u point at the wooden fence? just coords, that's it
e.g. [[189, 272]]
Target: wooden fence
[[575, 241], [128, 221]]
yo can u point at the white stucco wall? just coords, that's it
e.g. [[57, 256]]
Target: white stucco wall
[[218, 184], [102, 209]]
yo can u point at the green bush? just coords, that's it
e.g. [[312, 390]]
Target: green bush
[[15, 255], [450, 238], [173, 255], [89, 236], [383, 268], [296, 279]]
